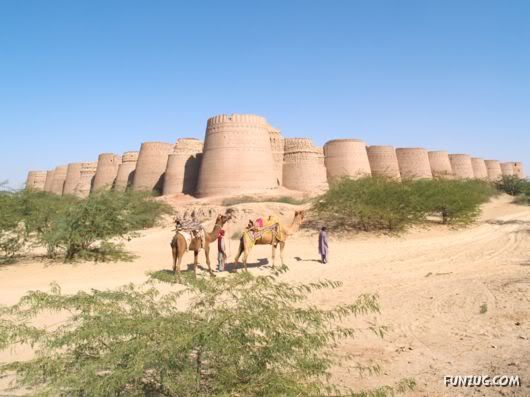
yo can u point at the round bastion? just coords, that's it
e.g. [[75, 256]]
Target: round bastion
[[151, 165], [440, 164], [346, 158], [125, 174], [183, 165], [106, 171], [36, 180], [383, 161], [86, 179], [303, 166], [49, 181], [507, 169], [59, 176], [461, 165], [494, 169], [237, 156], [479, 168], [413, 163], [73, 174]]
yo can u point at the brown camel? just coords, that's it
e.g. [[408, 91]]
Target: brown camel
[[179, 245], [273, 238]]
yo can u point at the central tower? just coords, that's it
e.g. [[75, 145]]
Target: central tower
[[237, 156]]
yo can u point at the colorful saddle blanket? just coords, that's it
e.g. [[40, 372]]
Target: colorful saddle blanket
[[254, 234]]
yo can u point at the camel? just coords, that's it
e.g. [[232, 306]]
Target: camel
[[270, 238], [179, 245]]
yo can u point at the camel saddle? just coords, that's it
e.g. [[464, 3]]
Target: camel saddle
[[255, 233], [191, 230]]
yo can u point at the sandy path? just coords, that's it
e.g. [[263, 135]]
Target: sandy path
[[432, 284]]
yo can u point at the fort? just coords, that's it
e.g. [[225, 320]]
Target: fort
[[59, 176], [36, 180], [414, 163], [383, 161], [151, 165], [303, 166], [237, 156], [243, 153], [73, 175], [49, 181], [106, 171], [125, 174], [86, 179], [346, 157], [440, 164], [493, 168], [479, 168], [507, 169], [461, 165], [183, 165]]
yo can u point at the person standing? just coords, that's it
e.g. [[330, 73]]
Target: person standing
[[221, 251], [323, 244]]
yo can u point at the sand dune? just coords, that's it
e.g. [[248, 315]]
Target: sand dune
[[431, 282]]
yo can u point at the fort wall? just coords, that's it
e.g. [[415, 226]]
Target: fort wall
[[346, 158], [479, 168], [303, 166], [125, 174], [151, 165], [86, 179], [461, 165], [237, 156], [73, 174], [440, 164], [494, 169], [59, 176], [413, 163]]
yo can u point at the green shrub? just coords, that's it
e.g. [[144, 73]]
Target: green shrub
[[524, 197], [371, 203], [456, 201], [12, 236], [99, 219], [226, 336], [251, 199], [375, 203], [512, 185], [74, 227]]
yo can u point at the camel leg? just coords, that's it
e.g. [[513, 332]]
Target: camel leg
[[207, 255], [174, 252], [245, 257], [282, 246], [273, 255], [239, 251], [195, 261], [179, 261]]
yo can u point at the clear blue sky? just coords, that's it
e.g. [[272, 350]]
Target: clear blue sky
[[78, 78]]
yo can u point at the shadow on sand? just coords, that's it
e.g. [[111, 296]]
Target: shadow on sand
[[307, 260], [230, 267], [509, 222]]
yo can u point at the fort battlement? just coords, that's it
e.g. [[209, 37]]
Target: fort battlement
[[243, 153]]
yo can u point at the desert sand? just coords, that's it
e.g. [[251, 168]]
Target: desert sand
[[432, 283]]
